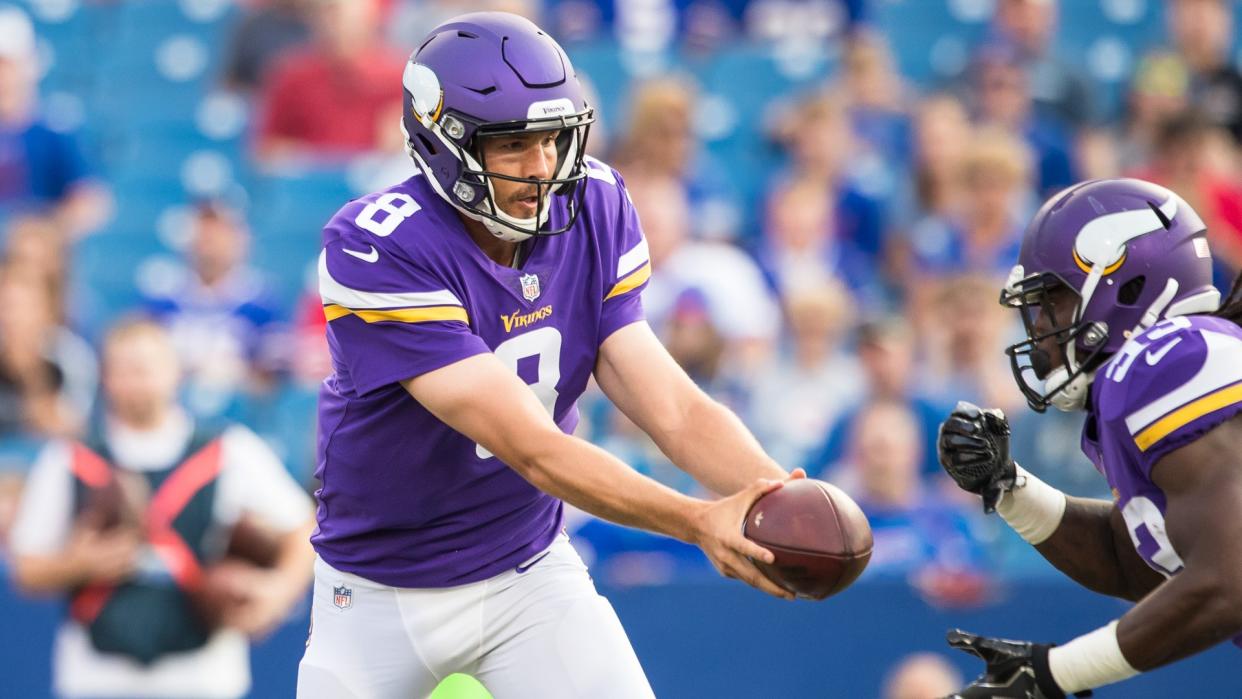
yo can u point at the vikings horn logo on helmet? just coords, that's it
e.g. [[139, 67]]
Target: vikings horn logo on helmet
[[1103, 240]]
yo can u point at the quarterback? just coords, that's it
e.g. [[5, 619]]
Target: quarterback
[[468, 306], [1113, 282]]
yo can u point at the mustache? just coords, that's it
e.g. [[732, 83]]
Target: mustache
[[533, 191]]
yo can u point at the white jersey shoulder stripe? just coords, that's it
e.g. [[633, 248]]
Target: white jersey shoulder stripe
[[635, 258], [334, 292], [1222, 367]]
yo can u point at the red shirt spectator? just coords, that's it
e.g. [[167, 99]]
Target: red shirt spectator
[[338, 96], [329, 103]]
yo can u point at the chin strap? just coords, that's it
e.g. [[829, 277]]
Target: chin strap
[[1067, 395]]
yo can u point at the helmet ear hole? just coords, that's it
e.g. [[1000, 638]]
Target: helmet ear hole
[[1129, 292], [431, 148]]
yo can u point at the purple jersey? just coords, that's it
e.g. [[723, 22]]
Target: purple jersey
[[406, 500], [1164, 389]]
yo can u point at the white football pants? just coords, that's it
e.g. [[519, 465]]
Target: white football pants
[[544, 633]]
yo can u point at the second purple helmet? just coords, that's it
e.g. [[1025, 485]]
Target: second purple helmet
[[1131, 252], [490, 74]]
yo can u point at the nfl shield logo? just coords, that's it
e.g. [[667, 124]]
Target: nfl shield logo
[[342, 597], [530, 287]]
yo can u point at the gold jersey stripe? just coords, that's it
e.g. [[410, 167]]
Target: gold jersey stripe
[[422, 314], [1187, 414], [635, 279]]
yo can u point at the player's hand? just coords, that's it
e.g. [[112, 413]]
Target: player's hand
[[103, 555], [973, 446], [718, 531], [260, 598], [1015, 669]]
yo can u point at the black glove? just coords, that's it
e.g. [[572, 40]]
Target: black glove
[[1015, 669], [973, 447]]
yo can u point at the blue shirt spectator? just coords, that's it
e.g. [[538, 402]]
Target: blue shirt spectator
[[41, 169], [943, 247], [38, 166], [219, 312], [915, 530], [1003, 99], [886, 356]]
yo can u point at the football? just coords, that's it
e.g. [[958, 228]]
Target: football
[[820, 537], [225, 582]]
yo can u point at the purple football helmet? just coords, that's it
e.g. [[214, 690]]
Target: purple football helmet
[[1130, 252], [490, 74]]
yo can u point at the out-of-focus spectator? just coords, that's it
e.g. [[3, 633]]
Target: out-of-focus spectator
[[962, 336], [799, 248], [799, 394], [932, 189], [1003, 100], [740, 304], [1184, 160], [1159, 91], [922, 676], [339, 96], [659, 138], [869, 78], [219, 311], [693, 339], [1202, 33], [918, 534], [1061, 90], [942, 132], [659, 141], [876, 96], [887, 357], [844, 231], [260, 38], [41, 169], [36, 244], [130, 525], [48, 375], [983, 234]]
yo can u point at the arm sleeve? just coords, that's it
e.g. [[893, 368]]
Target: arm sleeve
[[254, 481], [45, 513], [628, 269], [392, 319]]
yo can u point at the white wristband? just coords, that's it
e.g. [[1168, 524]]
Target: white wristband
[[1033, 508], [1089, 661]]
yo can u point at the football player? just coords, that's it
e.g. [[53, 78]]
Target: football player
[[1113, 283], [468, 307]]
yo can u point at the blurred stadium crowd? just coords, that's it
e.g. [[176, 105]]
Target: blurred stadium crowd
[[832, 191]]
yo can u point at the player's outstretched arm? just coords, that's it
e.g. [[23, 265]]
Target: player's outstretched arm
[[698, 434], [1083, 538], [485, 401]]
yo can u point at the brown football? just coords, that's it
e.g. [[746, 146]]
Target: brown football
[[251, 545], [820, 537]]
